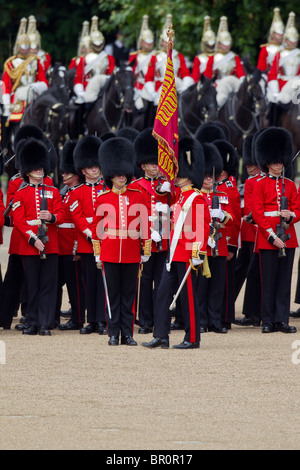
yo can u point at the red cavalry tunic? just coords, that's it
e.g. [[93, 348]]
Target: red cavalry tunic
[[26, 210], [266, 206], [82, 77], [156, 73]]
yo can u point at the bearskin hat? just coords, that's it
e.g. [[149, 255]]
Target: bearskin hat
[[86, 152], [224, 128], [33, 154], [191, 161], [67, 161], [128, 133], [208, 132], [230, 157], [213, 160], [116, 158], [107, 135], [146, 148], [25, 132], [273, 145], [247, 153]]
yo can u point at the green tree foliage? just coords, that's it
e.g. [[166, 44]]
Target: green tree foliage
[[60, 22]]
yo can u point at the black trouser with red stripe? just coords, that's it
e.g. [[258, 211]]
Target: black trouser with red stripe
[[168, 287], [276, 278]]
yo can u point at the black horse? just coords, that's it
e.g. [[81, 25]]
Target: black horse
[[196, 105], [244, 111], [114, 107], [49, 111]]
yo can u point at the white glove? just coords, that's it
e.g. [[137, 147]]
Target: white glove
[[148, 91], [6, 111], [39, 87], [98, 262], [273, 91], [144, 258], [155, 236], [160, 207], [165, 187], [196, 261], [211, 242], [79, 92], [217, 214], [6, 104]]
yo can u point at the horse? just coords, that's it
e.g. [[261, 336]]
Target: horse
[[244, 111], [114, 106], [49, 110], [196, 105]]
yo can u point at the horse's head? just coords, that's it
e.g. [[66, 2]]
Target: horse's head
[[207, 98], [255, 87], [123, 86]]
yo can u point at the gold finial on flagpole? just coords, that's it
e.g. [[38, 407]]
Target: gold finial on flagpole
[[170, 34]]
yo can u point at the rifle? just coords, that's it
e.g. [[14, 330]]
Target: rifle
[[42, 229], [8, 208], [282, 226], [215, 223]]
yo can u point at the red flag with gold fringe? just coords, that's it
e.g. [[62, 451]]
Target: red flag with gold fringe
[[165, 128]]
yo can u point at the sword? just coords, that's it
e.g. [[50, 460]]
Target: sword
[[173, 304], [139, 290], [106, 291]]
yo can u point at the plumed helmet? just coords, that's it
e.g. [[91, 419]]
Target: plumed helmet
[[223, 35], [34, 35], [84, 40], [116, 158], [213, 160], [97, 40], [290, 31], [168, 23], [208, 132], [191, 161], [146, 148], [86, 152], [273, 145], [145, 34], [67, 160], [230, 157], [208, 40], [22, 38], [129, 133], [33, 154]]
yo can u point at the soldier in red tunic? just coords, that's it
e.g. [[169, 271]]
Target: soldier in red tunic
[[82, 204], [188, 239], [120, 237], [14, 289], [226, 183], [211, 290], [146, 153], [37, 209], [2, 208], [275, 209], [69, 263]]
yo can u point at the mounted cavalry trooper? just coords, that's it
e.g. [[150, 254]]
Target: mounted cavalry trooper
[[139, 60], [94, 68], [274, 45], [157, 67], [23, 76], [188, 240], [284, 76], [225, 66], [208, 44]]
